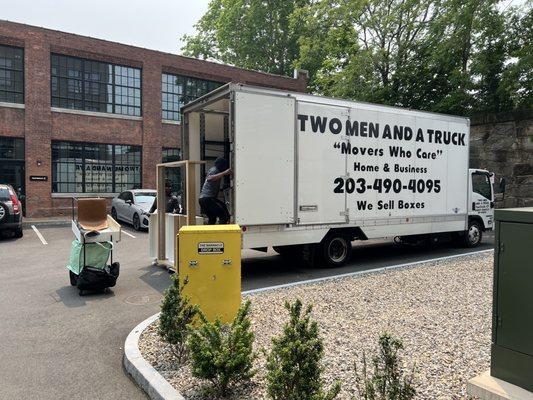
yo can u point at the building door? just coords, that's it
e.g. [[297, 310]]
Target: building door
[[12, 165]]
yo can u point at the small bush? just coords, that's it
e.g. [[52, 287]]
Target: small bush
[[176, 314], [387, 381], [294, 364], [223, 354]]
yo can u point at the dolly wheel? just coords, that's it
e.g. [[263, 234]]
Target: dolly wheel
[[73, 278]]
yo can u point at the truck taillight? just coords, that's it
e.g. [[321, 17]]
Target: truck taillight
[[14, 200]]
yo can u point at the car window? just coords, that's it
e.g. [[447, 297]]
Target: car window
[[123, 195], [129, 196], [481, 185], [144, 197], [4, 194]]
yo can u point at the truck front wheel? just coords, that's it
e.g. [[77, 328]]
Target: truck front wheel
[[336, 250], [473, 235]]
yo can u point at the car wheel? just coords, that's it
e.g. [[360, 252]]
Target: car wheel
[[136, 222], [3, 211], [114, 213], [473, 235], [336, 250], [19, 233]]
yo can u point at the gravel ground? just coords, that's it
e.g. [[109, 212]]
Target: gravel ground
[[441, 311]]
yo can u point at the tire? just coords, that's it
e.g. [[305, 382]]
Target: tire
[[136, 222], [19, 233], [4, 211], [336, 250], [473, 235], [114, 213], [73, 278]]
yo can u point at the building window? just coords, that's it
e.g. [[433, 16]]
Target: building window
[[178, 90], [11, 74], [95, 86], [95, 168], [171, 154], [172, 175], [11, 149]]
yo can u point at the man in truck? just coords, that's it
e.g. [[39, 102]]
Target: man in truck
[[209, 202]]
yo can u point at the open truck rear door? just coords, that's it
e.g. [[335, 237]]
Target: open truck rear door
[[264, 160]]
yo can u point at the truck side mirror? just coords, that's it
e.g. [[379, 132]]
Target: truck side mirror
[[502, 185]]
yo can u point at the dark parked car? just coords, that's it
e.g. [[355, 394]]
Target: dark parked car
[[10, 211]]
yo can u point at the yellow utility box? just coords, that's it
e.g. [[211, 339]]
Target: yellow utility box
[[209, 261]]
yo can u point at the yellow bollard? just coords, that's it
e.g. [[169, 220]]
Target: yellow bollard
[[209, 261]]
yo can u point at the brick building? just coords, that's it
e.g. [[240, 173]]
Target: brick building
[[88, 117]]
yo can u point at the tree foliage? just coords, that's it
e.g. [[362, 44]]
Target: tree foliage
[[254, 34], [454, 56], [387, 381], [176, 314], [294, 364], [223, 354]]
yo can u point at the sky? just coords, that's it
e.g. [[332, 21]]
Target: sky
[[153, 24]]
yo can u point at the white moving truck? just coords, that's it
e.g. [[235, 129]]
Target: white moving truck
[[313, 173]]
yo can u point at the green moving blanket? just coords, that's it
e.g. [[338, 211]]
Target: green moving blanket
[[96, 255]]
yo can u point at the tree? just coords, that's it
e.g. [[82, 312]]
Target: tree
[[176, 314], [223, 354], [451, 56], [293, 365], [253, 34], [367, 48], [517, 78], [387, 381]]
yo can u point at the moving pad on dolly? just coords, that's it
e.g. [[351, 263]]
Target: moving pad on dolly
[[96, 255]]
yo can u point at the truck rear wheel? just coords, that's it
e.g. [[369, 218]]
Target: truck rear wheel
[[473, 235], [336, 250]]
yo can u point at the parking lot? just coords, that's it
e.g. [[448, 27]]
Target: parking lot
[[58, 345]]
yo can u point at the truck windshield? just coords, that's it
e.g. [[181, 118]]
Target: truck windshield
[[481, 185]]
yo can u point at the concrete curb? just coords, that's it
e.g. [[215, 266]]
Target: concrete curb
[[44, 223], [141, 371], [158, 387]]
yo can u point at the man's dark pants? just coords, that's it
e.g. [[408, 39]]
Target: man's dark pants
[[214, 208]]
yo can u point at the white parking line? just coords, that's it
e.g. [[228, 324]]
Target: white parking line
[[365, 272], [127, 233], [39, 234]]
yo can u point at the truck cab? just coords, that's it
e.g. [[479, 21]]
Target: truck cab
[[481, 204]]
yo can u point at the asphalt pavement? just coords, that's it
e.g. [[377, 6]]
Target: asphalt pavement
[[55, 344]]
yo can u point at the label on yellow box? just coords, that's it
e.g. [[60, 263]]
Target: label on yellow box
[[211, 247]]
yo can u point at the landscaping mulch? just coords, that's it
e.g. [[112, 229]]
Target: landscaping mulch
[[440, 310]]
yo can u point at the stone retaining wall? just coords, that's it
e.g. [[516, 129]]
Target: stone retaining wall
[[503, 144]]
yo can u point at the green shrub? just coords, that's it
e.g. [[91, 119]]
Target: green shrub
[[176, 314], [294, 364], [387, 381], [221, 353]]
